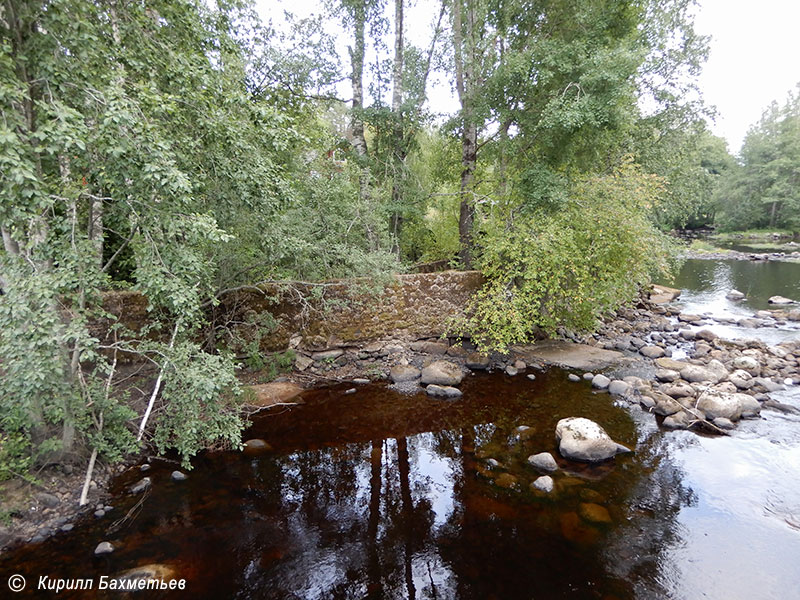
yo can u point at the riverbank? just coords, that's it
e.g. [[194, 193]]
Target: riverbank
[[651, 356], [722, 254]]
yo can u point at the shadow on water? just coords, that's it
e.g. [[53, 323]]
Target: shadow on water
[[381, 495]]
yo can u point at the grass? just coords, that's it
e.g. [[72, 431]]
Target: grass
[[704, 246]]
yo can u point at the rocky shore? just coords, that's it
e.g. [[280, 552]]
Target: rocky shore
[[793, 256]]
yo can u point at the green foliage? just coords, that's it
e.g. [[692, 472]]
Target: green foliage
[[200, 403], [549, 269], [763, 191]]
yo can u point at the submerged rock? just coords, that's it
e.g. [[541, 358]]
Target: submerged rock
[[256, 446], [594, 513], [103, 548], [140, 486], [584, 440]]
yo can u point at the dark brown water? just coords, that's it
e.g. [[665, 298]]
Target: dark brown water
[[381, 495]]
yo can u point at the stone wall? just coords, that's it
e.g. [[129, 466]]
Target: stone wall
[[332, 314], [349, 313]]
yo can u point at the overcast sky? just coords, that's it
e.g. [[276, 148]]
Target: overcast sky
[[754, 55]]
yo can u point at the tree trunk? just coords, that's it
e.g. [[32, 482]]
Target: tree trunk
[[399, 150], [357, 81], [465, 85]]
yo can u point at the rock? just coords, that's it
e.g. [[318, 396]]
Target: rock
[[129, 579], [585, 440], [327, 355], [706, 334], [679, 420], [652, 351], [543, 461], [523, 432], [723, 423], [506, 480], [440, 391], [301, 362], [512, 371], [442, 372], [735, 295], [361, 381], [588, 376], [687, 334], [670, 364], [520, 365], [686, 318], [667, 375], [767, 384], [747, 363], [751, 408], [665, 405], [437, 348], [477, 360], [141, 485], [593, 513], [48, 500], [178, 476], [741, 379], [600, 382], [144, 467], [270, 394], [403, 373], [794, 315], [780, 300], [543, 484], [618, 388], [103, 548], [350, 391], [574, 378], [714, 372], [531, 376], [100, 513], [720, 404], [256, 446]]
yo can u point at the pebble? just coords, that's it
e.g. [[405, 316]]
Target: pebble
[[573, 377], [350, 391], [531, 376]]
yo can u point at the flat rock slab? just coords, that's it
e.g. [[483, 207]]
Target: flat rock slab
[[277, 392], [661, 294], [562, 353]]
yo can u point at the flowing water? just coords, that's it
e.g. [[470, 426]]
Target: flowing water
[[705, 284], [382, 495]]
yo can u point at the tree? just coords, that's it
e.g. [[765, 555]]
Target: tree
[[140, 109], [763, 192]]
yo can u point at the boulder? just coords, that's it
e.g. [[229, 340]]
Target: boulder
[[618, 388], [706, 334], [543, 461], [178, 476], [584, 440], [714, 372], [442, 372], [256, 446], [437, 348], [443, 391], [741, 379], [403, 373], [574, 378], [782, 300], [600, 382], [735, 295], [327, 355], [747, 363], [667, 375], [680, 389], [751, 408], [670, 364], [720, 404], [270, 394], [679, 420], [723, 423], [652, 351], [511, 371]]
